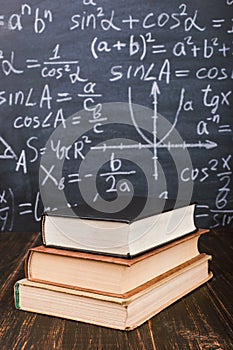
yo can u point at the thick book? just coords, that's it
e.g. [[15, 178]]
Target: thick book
[[126, 233], [124, 312], [106, 274]]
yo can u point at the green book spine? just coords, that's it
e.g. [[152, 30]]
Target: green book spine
[[17, 295]]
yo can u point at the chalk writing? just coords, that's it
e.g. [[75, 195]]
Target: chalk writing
[[58, 59]]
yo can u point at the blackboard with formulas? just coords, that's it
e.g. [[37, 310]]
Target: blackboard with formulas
[[100, 98]]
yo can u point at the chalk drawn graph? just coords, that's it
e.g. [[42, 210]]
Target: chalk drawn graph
[[156, 143]]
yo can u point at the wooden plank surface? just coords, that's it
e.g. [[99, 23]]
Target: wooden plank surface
[[201, 320]]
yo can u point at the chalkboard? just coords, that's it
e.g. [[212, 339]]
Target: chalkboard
[[101, 98]]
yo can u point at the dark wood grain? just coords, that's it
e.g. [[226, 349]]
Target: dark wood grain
[[201, 320]]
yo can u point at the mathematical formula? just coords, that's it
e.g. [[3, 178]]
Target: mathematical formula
[[174, 59]]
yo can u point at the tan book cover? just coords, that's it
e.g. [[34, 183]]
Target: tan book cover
[[107, 274], [123, 312]]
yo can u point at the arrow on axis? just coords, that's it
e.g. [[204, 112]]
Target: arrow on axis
[[155, 92], [207, 144]]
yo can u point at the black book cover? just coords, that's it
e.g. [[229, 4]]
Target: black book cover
[[138, 208]]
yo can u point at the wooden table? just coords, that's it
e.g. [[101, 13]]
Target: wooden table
[[200, 320]]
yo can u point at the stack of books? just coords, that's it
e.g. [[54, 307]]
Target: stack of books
[[113, 271]]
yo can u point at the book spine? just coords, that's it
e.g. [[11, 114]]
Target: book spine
[[16, 295], [43, 228], [27, 263]]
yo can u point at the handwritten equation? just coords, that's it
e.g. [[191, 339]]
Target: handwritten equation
[[56, 60]]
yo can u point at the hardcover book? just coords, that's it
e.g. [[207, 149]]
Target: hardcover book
[[126, 233], [123, 312], [107, 274]]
